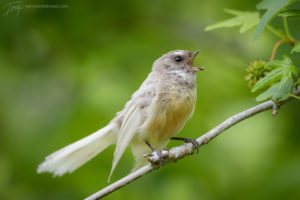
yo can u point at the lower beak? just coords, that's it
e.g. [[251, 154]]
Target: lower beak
[[191, 60]]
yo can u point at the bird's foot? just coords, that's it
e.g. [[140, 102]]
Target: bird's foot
[[157, 157], [188, 140]]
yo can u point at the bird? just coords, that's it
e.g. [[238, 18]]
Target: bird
[[156, 112]]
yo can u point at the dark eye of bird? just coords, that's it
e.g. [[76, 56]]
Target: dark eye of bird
[[178, 58]]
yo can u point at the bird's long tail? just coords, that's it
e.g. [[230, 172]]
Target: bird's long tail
[[74, 155]]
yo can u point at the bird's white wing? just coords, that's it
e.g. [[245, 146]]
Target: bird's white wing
[[131, 122], [133, 116]]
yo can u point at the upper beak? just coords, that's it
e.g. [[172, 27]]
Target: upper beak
[[191, 59], [195, 53]]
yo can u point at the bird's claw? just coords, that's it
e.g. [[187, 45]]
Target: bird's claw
[[157, 157], [194, 143], [188, 140]]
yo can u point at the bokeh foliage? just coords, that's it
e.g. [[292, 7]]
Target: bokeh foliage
[[65, 73]]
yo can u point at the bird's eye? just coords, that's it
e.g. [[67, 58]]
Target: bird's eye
[[178, 58]]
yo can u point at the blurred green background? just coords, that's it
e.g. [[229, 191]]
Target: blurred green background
[[64, 73]]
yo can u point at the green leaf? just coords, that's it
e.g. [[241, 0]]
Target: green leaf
[[296, 48], [272, 7], [269, 79], [290, 13], [285, 62], [283, 71], [277, 93], [246, 20], [264, 4], [286, 76]]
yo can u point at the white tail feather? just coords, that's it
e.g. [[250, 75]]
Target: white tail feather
[[75, 155]]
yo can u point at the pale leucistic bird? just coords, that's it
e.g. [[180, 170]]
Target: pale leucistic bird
[[154, 114]]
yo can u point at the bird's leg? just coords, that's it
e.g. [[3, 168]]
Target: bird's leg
[[188, 140], [155, 152], [149, 145]]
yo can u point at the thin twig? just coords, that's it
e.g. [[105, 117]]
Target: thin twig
[[177, 153], [280, 42], [122, 182]]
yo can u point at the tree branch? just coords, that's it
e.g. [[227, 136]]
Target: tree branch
[[179, 152]]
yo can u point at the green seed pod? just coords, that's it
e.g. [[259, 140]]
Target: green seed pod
[[255, 71]]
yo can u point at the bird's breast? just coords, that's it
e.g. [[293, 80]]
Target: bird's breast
[[172, 108]]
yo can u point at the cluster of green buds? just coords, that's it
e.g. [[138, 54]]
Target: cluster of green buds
[[255, 71]]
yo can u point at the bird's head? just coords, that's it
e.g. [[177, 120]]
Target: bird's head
[[181, 60]]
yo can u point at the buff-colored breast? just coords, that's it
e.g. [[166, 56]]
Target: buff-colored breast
[[170, 114]]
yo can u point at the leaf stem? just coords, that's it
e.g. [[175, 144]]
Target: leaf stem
[[277, 44], [292, 95], [286, 28], [275, 32]]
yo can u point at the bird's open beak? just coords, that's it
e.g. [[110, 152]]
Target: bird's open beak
[[195, 53], [190, 61]]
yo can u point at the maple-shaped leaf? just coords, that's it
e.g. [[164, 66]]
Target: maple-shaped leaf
[[276, 92], [283, 71], [272, 7], [246, 20]]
